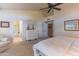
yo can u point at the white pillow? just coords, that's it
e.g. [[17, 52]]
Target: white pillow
[[76, 43], [4, 39]]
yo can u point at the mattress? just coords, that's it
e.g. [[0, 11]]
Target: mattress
[[56, 46]]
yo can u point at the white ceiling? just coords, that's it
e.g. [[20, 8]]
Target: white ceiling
[[22, 6]]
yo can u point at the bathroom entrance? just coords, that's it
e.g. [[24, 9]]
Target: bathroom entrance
[[18, 31], [18, 28]]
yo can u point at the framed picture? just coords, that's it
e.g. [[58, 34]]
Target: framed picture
[[4, 24], [30, 27], [71, 25]]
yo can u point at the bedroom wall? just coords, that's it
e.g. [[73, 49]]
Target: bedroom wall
[[13, 15], [68, 12]]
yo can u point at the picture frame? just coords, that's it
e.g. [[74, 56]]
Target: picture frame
[[4, 24], [71, 25], [30, 27]]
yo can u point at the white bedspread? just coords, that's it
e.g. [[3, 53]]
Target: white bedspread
[[56, 46], [74, 49]]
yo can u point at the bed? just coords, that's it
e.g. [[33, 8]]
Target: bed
[[57, 46]]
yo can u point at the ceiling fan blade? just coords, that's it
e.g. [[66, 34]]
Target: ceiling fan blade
[[44, 8], [57, 9], [49, 10], [58, 4]]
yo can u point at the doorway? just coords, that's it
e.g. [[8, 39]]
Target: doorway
[[18, 31], [18, 27], [50, 30], [47, 29]]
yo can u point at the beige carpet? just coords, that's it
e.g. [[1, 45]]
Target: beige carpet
[[20, 48]]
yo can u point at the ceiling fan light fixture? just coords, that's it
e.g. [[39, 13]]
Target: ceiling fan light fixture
[[52, 6]]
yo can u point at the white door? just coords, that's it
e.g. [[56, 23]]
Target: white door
[[45, 30]]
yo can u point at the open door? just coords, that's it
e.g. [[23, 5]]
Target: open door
[[18, 27]]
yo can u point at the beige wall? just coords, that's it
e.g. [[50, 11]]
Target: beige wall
[[68, 12]]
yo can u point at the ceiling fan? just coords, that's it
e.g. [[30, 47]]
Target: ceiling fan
[[52, 7]]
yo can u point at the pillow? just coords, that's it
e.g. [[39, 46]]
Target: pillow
[[76, 43], [4, 39]]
